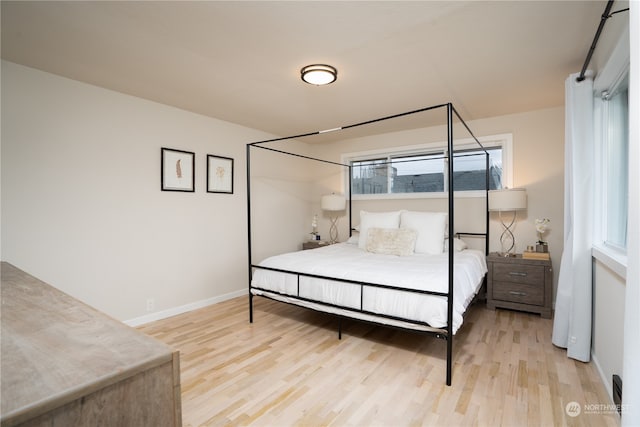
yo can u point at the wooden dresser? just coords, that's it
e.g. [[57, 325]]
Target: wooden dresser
[[64, 363], [519, 284]]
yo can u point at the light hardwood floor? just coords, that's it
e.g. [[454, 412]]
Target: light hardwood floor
[[289, 368]]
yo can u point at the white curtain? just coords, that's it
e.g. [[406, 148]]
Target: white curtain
[[572, 320]]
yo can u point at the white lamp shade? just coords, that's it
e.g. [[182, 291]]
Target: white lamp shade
[[509, 199], [333, 202]]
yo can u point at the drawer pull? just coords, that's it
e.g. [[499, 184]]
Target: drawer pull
[[520, 294], [517, 273]]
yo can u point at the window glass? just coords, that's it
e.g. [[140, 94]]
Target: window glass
[[616, 164], [370, 176], [426, 172], [417, 174], [469, 170]]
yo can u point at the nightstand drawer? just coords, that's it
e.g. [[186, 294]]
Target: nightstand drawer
[[517, 292], [518, 273]]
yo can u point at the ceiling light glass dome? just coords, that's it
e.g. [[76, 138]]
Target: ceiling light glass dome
[[319, 74]]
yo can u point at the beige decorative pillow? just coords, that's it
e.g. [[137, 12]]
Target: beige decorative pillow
[[391, 241], [376, 220]]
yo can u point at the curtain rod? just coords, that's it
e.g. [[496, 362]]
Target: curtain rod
[[605, 15]]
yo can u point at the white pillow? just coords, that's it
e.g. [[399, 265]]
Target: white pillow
[[458, 244], [354, 238], [430, 227], [378, 220], [391, 241]]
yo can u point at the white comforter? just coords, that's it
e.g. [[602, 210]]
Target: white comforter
[[347, 261]]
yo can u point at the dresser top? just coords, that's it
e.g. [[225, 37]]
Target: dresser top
[[56, 348]]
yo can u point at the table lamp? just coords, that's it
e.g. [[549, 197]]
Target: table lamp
[[508, 200], [333, 203]]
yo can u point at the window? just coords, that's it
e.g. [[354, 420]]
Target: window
[[424, 170], [614, 149], [611, 174]]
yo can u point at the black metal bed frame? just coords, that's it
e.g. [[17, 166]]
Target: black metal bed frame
[[444, 333]]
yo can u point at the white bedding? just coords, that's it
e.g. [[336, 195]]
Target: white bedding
[[347, 261]]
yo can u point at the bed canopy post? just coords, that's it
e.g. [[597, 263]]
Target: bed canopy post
[[350, 170], [486, 200], [451, 244], [249, 230]]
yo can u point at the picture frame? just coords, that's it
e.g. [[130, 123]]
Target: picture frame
[[177, 170], [219, 174]]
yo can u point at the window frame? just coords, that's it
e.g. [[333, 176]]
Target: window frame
[[614, 72], [604, 145], [504, 141]]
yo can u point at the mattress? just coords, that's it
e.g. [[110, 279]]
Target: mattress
[[347, 261]]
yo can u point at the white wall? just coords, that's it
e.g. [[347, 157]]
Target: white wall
[[281, 200], [81, 202], [608, 330], [609, 36]]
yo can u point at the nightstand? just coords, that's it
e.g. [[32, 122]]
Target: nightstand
[[519, 284], [314, 244]]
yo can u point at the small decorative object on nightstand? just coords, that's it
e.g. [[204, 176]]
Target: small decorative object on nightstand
[[535, 255], [542, 226], [519, 284], [313, 236], [314, 244]]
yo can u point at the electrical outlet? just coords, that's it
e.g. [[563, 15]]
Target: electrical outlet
[[573, 340], [151, 304]]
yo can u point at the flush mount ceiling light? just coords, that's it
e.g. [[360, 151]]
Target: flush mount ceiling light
[[319, 74]]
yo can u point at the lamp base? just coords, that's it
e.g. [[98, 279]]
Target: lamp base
[[507, 237], [506, 254], [333, 230]]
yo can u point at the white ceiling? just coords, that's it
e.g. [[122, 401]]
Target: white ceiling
[[239, 61]]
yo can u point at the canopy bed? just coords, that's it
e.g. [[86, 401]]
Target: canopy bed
[[407, 269]]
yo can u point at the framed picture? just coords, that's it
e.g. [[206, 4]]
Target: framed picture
[[177, 170], [219, 174]]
